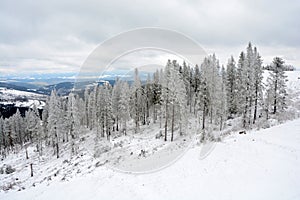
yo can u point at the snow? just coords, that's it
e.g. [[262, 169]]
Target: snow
[[11, 96], [12, 92], [261, 164]]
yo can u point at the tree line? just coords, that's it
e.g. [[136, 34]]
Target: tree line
[[169, 97]]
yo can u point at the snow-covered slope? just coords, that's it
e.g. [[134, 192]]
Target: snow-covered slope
[[259, 165], [21, 98]]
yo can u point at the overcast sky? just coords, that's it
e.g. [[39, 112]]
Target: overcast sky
[[56, 36]]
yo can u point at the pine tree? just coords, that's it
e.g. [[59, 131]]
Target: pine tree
[[242, 88], [73, 120], [231, 87], [116, 96], [277, 85], [156, 99], [86, 107], [124, 106], [1, 135], [166, 95], [136, 100], [45, 115], [53, 124], [222, 103], [250, 81], [211, 74], [33, 123], [177, 98], [258, 85], [196, 86], [19, 127]]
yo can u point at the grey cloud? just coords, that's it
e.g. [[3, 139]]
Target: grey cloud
[[46, 29]]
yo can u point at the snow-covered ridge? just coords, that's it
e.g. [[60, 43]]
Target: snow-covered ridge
[[21, 98]]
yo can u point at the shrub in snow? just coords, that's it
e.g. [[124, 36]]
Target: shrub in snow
[[102, 149], [159, 135], [8, 186], [8, 169], [98, 164]]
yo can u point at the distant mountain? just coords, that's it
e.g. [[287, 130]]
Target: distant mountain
[[62, 88], [13, 86]]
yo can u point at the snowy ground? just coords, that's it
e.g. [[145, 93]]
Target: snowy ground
[[259, 165], [21, 98]]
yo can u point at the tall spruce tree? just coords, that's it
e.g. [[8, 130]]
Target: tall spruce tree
[[277, 85]]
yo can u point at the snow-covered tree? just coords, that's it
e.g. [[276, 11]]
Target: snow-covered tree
[[276, 87], [174, 97], [231, 87], [73, 121], [116, 96], [258, 84], [124, 107], [53, 123], [136, 100], [33, 124]]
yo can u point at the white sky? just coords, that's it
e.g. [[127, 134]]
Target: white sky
[[56, 36]]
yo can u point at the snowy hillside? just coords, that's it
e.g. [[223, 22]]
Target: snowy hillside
[[166, 138], [21, 98], [259, 165]]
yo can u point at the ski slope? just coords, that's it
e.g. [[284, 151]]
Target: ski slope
[[262, 164]]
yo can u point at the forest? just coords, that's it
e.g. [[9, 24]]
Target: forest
[[212, 93]]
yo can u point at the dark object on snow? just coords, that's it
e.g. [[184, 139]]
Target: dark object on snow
[[98, 164], [131, 153], [143, 153], [31, 170], [65, 161], [9, 169], [242, 132]]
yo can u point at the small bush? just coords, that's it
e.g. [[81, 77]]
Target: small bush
[[8, 186], [9, 169], [101, 150]]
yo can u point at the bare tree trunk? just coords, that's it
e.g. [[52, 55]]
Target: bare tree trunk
[[173, 112], [166, 121], [221, 123], [117, 128], [250, 111], [275, 98], [154, 116], [245, 113], [31, 170], [26, 153], [203, 117], [255, 104], [57, 150]]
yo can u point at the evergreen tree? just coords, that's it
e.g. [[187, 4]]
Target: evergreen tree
[[277, 85], [53, 124], [73, 120], [231, 87], [124, 106], [258, 85], [136, 100], [116, 96]]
